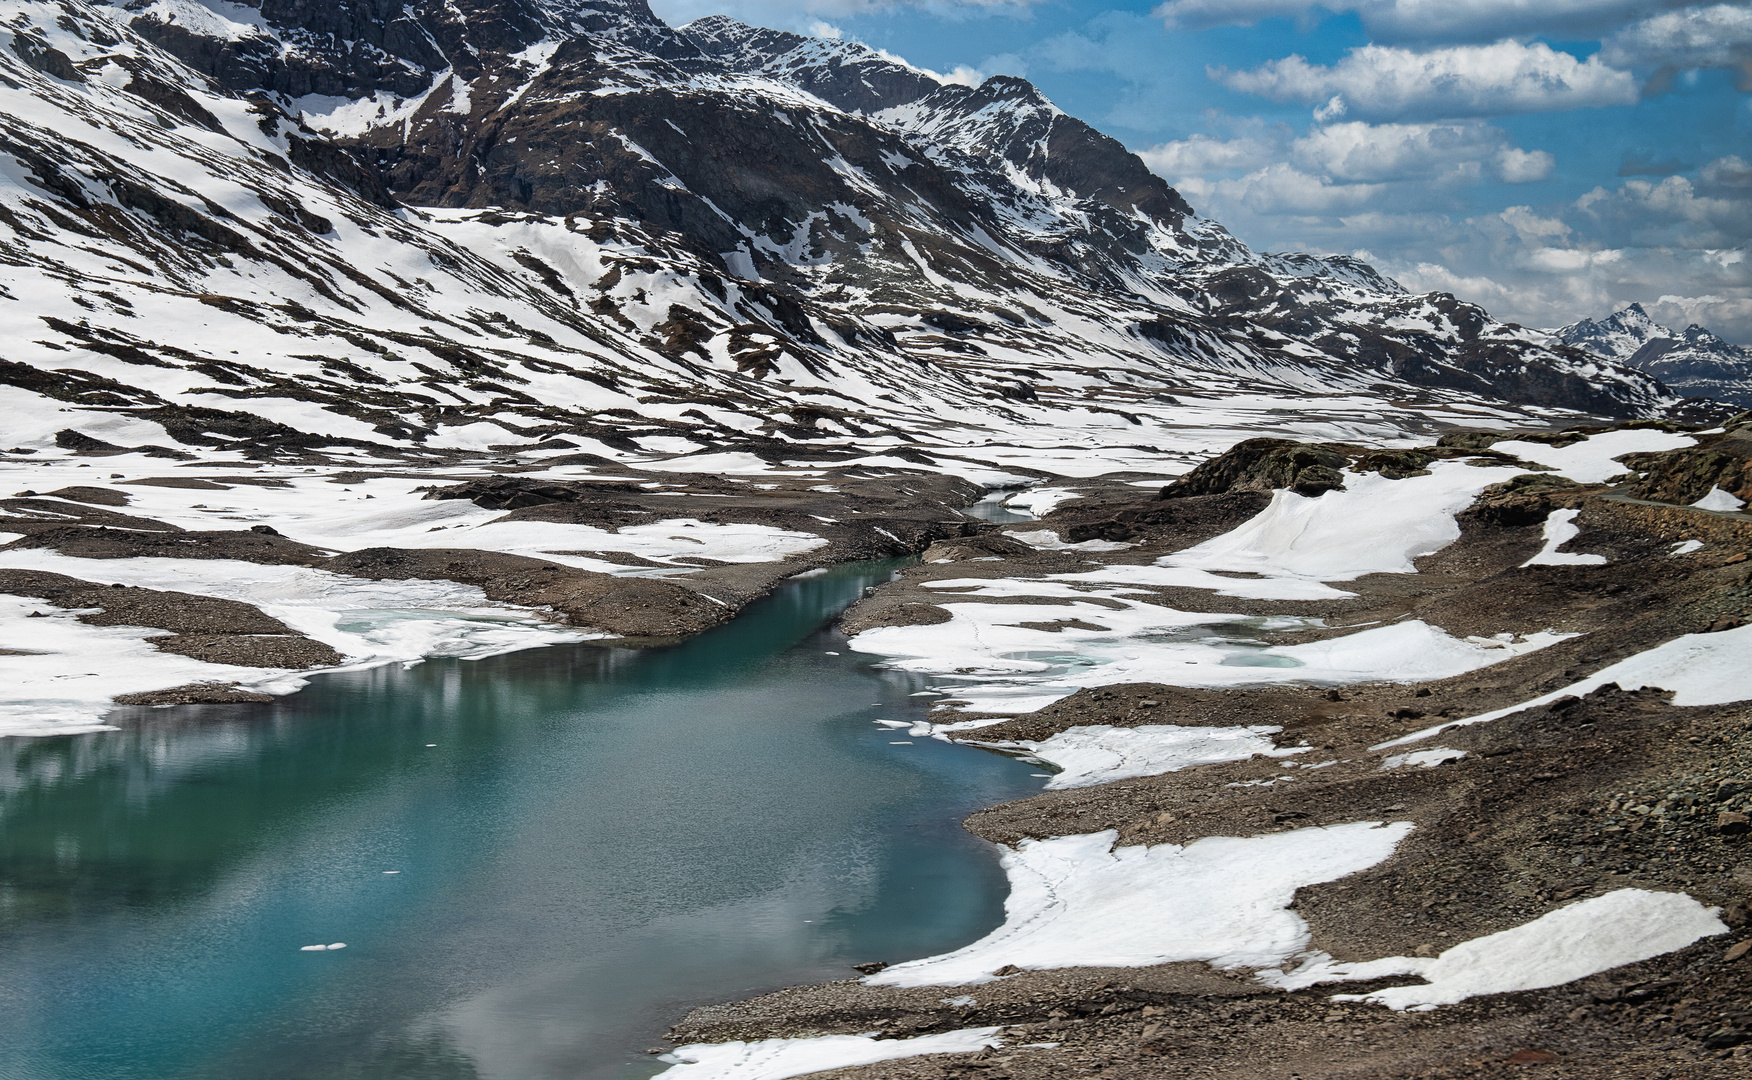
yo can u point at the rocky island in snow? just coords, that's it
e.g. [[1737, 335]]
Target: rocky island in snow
[[1387, 663]]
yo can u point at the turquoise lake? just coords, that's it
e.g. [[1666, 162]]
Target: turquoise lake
[[597, 840]]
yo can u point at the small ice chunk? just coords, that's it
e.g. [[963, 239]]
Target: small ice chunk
[[392, 871], [1686, 547], [964, 1001]]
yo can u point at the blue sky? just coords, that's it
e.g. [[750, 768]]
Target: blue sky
[[1549, 159]]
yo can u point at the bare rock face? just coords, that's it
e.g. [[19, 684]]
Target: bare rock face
[[1263, 465], [1688, 475], [1525, 500]]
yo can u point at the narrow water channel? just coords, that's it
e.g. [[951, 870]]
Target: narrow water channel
[[536, 862]]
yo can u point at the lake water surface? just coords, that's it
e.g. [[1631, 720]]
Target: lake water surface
[[598, 839]]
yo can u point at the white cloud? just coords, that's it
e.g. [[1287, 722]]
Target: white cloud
[[1356, 151], [1196, 14], [1530, 227], [1386, 82], [1281, 188], [1728, 172], [1719, 36], [1423, 20], [824, 30], [1517, 166], [1202, 155]]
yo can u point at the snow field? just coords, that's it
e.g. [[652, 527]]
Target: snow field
[[1374, 526], [1700, 669], [63, 674], [1590, 461], [779, 1059], [1002, 667], [1080, 901], [1573, 942], [67, 687]]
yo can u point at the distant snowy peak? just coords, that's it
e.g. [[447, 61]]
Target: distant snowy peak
[[1694, 361]]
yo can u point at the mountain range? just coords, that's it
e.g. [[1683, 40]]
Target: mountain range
[[1692, 361], [490, 225]]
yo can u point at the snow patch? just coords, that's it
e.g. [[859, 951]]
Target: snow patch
[[1100, 754], [1078, 901], [1560, 529], [779, 1059], [1700, 669], [1571, 943]]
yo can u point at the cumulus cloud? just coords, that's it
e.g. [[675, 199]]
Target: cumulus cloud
[[1719, 36], [1281, 188], [1425, 20], [1517, 166], [1391, 83], [1204, 155], [1356, 151], [1728, 172]]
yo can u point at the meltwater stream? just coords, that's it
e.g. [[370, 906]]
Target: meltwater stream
[[536, 862]]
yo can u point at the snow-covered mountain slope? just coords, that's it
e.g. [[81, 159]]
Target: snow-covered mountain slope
[[1693, 361], [820, 201]]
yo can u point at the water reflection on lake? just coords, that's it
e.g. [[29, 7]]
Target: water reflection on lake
[[584, 841]]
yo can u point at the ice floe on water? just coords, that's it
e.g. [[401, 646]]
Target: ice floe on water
[[1100, 754], [1573, 942], [779, 1059], [1700, 669], [1079, 901], [1560, 529]]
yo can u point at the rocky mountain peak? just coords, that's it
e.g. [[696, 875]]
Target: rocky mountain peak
[[845, 74], [1693, 361]]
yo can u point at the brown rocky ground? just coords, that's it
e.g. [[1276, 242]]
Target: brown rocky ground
[[1615, 789]]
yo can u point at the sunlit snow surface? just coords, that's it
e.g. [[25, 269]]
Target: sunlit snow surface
[[1590, 461], [1100, 754], [1573, 942], [1560, 529], [1701, 669], [1079, 901], [1293, 548], [778, 1059]]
